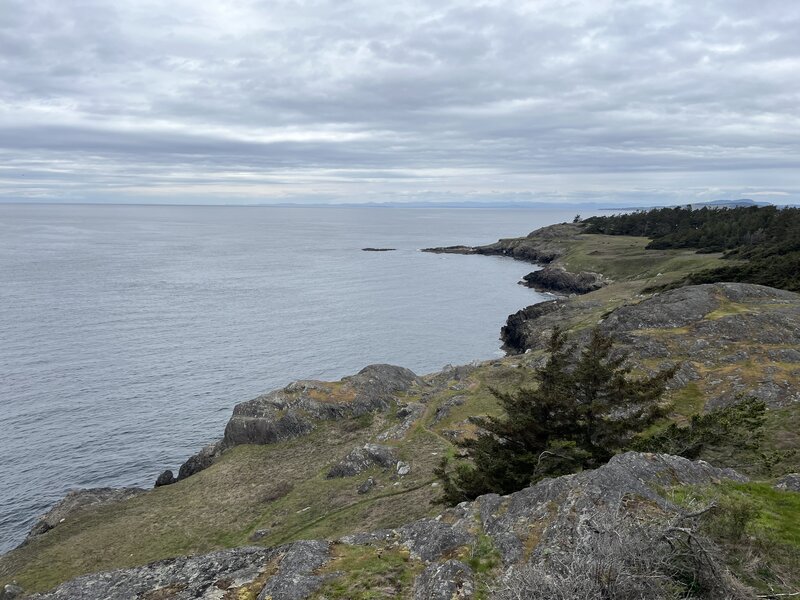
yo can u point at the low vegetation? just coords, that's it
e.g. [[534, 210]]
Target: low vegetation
[[581, 413], [766, 240]]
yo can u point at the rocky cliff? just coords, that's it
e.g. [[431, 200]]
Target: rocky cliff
[[431, 559], [324, 489]]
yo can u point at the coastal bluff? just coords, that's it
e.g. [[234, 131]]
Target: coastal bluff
[[327, 489]]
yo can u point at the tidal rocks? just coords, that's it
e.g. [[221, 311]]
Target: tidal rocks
[[166, 478], [542, 246], [359, 460], [201, 460], [515, 333], [561, 281], [78, 500], [378, 249]]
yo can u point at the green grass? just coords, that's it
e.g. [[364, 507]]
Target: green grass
[[757, 529], [369, 573]]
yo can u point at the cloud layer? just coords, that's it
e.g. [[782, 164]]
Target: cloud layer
[[325, 101]]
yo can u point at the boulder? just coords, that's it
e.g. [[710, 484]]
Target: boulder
[[166, 478], [201, 460], [361, 459]]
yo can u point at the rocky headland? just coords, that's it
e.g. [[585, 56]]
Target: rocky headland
[[325, 489]]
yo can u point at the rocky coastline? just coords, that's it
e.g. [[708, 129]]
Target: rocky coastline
[[295, 460]]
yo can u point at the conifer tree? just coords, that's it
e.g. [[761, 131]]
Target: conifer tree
[[585, 408]]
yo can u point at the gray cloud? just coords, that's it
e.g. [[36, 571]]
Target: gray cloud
[[316, 100]]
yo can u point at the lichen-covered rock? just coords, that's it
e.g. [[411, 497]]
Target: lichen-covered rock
[[430, 539], [359, 460], [450, 580], [297, 576], [790, 482], [206, 577], [78, 500], [536, 522], [285, 413], [410, 414]]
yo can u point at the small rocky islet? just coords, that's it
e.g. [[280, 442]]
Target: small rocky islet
[[324, 489]]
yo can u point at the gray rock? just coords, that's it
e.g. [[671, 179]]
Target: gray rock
[[541, 247], [515, 333], [561, 281], [450, 580], [11, 591], [410, 413], [78, 500], [790, 482], [200, 461], [367, 486], [166, 478], [284, 414], [429, 539], [403, 468], [556, 502], [554, 513], [446, 407], [203, 577], [296, 578], [359, 460]]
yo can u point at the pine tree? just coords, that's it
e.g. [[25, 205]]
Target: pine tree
[[580, 414]]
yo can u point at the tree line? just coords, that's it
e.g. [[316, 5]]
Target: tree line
[[762, 242]]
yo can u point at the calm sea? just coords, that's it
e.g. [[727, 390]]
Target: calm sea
[[127, 333]]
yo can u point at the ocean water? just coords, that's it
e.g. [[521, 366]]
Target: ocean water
[[127, 333]]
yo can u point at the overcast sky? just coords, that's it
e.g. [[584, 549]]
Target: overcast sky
[[639, 101]]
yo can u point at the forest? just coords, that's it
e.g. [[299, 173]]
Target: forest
[[762, 243]]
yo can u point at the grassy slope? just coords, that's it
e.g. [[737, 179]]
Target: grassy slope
[[282, 488]]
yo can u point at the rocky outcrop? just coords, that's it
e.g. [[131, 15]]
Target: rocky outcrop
[[201, 460], [515, 333], [790, 483], [359, 460], [540, 521], [450, 580], [79, 500], [290, 412], [541, 247], [560, 281], [166, 478]]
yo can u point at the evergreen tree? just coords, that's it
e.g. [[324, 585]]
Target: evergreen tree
[[584, 410]]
